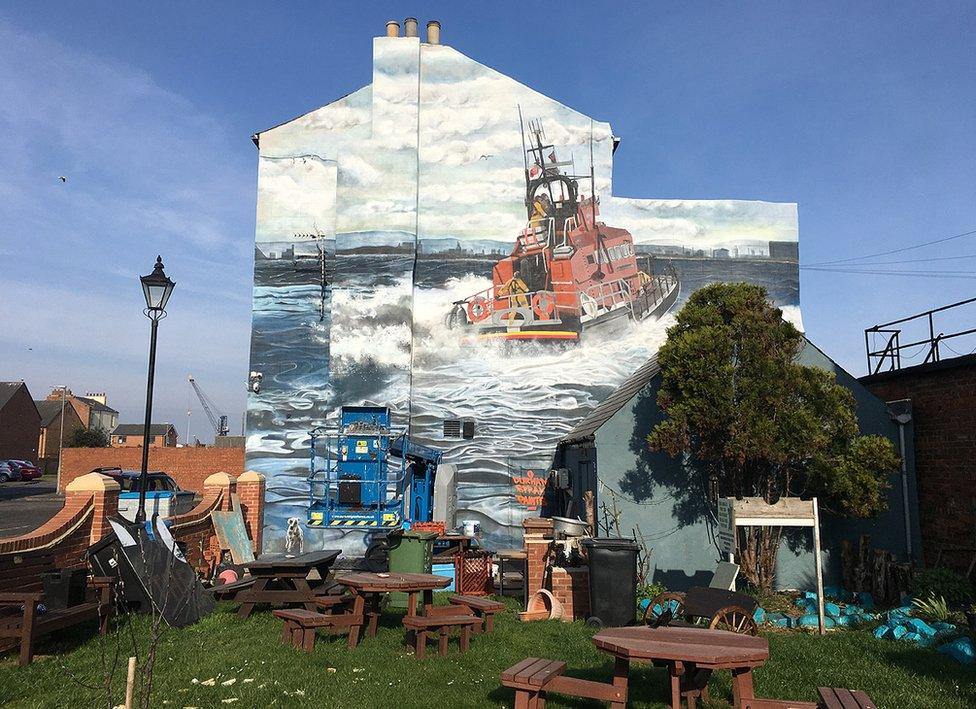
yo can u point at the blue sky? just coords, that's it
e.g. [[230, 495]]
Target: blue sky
[[864, 114]]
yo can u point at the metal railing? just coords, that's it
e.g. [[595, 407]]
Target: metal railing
[[890, 350]]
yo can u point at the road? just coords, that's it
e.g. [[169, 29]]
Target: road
[[26, 506]]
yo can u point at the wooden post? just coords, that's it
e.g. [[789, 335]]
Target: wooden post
[[130, 684], [819, 563]]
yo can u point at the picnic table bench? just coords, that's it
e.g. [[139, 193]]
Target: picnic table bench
[[484, 608], [284, 580], [830, 698], [534, 677], [21, 624], [421, 625], [301, 624]]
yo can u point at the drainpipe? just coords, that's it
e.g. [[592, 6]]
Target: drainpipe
[[901, 413]]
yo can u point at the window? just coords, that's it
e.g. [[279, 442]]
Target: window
[[120, 439]]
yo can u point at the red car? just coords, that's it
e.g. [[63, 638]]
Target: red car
[[27, 470]]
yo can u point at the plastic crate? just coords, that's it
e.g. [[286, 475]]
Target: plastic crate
[[473, 575], [428, 527]]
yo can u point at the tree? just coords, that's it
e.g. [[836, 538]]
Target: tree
[[759, 423], [87, 438]]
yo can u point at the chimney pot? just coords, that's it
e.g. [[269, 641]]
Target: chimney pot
[[433, 32], [410, 27], [392, 28]]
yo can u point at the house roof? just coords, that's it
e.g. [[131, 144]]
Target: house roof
[[49, 411], [95, 405], [605, 410], [136, 429], [7, 390]]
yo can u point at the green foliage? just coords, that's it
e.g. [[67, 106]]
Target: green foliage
[[736, 399], [649, 590], [940, 581], [85, 438], [933, 608]]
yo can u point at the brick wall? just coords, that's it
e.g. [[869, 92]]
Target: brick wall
[[570, 586], [943, 396], [188, 466], [20, 427], [62, 540]]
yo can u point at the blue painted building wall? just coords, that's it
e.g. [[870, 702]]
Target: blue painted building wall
[[674, 519]]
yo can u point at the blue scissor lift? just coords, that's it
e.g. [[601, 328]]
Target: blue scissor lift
[[364, 473]]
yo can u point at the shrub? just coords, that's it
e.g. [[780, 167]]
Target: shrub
[[933, 608], [940, 581]]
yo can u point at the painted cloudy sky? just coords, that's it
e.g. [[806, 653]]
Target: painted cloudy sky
[[470, 162]]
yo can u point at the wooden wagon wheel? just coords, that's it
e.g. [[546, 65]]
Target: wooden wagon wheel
[[661, 602], [735, 619]]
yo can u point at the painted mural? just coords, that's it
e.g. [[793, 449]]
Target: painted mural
[[446, 242]]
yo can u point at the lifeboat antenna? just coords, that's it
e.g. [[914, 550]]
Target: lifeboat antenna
[[598, 274]]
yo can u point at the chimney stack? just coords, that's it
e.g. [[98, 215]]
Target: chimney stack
[[433, 32], [410, 27], [392, 28]]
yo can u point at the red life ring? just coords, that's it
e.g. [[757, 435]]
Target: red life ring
[[543, 305], [478, 309]]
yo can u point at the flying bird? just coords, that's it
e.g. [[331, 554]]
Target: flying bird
[[62, 178], [485, 157]]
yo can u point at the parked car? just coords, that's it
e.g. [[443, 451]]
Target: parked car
[[8, 471], [163, 496], [28, 471]]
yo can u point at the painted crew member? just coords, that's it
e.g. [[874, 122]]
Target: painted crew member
[[515, 289]]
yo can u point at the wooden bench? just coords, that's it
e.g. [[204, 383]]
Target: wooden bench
[[229, 591], [421, 625], [484, 608], [830, 698], [534, 677], [23, 625], [301, 624]]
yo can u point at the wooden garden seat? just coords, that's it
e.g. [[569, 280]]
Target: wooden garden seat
[[300, 626], [20, 623], [484, 608], [534, 677], [229, 591], [832, 698], [421, 625]]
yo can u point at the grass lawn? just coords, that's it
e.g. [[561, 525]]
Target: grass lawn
[[380, 672]]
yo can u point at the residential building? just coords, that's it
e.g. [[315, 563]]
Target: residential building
[[20, 422], [55, 430], [92, 409], [128, 435]]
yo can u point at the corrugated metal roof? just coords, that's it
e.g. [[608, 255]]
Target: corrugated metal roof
[[605, 410]]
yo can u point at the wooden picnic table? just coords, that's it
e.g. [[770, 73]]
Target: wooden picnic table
[[691, 654], [285, 580], [369, 586]]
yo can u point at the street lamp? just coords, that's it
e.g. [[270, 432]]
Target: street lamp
[[157, 287], [64, 392]]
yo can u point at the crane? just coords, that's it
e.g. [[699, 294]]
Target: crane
[[217, 419]]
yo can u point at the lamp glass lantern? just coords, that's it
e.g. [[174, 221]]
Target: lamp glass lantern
[[157, 287]]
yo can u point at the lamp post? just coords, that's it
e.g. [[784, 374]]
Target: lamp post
[[64, 391], [157, 287]]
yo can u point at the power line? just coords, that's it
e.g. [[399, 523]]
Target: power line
[[869, 271], [897, 251]]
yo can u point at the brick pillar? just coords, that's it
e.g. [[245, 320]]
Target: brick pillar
[[220, 482], [106, 496], [538, 536], [250, 488]]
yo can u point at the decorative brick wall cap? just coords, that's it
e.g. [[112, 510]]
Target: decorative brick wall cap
[[249, 476], [218, 480], [537, 524], [92, 482]]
